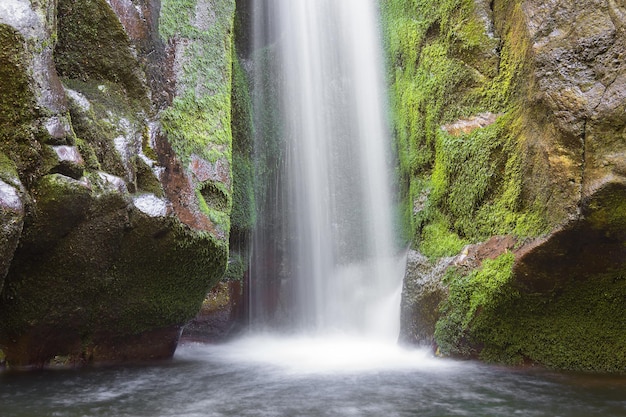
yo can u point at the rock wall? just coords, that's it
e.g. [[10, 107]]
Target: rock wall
[[115, 174], [511, 133]]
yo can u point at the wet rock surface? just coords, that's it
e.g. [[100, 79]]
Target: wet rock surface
[[582, 249], [422, 292], [220, 317], [11, 223], [563, 285], [107, 245]]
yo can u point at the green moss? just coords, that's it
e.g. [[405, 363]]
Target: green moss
[[146, 180], [578, 326], [178, 20], [92, 44], [18, 109], [477, 183], [199, 126], [17, 101], [438, 241], [88, 153], [110, 115], [243, 214], [141, 274], [199, 120], [459, 187], [216, 205], [237, 266], [176, 290], [471, 298], [445, 66], [146, 146], [8, 172], [61, 205], [216, 196], [242, 127]]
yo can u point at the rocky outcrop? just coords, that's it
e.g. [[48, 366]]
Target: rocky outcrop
[[423, 291], [220, 317], [115, 183], [578, 82], [547, 172]]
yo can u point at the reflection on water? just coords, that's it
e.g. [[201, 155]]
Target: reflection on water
[[303, 377]]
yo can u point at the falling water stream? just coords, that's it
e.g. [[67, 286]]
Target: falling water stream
[[326, 276], [337, 276], [339, 271]]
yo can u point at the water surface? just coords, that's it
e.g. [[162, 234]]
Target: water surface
[[302, 377]]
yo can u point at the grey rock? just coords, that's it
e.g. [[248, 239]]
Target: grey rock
[[422, 292], [11, 223]]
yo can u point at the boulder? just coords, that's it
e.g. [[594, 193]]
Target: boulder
[[422, 292], [110, 236]]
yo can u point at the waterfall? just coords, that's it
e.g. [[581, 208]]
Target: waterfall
[[324, 250]]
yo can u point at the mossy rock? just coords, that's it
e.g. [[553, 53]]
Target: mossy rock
[[92, 44], [422, 293], [61, 204], [146, 180], [243, 212], [12, 210], [104, 118], [111, 114], [17, 101], [18, 110], [557, 301], [112, 282], [579, 326], [141, 274], [538, 173], [453, 61], [199, 118]]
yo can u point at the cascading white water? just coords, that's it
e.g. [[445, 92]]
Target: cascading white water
[[341, 270]]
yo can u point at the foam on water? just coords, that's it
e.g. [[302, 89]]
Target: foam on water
[[329, 354]]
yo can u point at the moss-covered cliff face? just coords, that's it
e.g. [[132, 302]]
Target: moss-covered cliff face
[[509, 121], [115, 174], [225, 308]]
